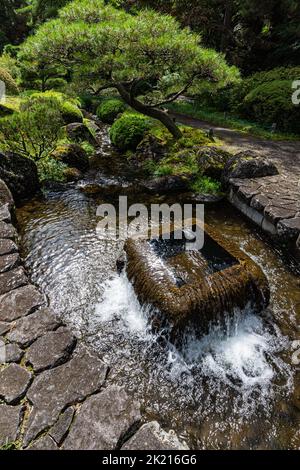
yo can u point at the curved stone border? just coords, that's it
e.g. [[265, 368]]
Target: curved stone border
[[272, 203], [54, 392]]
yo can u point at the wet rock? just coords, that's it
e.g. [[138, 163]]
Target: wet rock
[[72, 174], [14, 381], [166, 184], [248, 164], [10, 417], [289, 228], [152, 437], [12, 280], [80, 133], [20, 302], [7, 247], [5, 214], [190, 198], [55, 389], [103, 420], [7, 230], [28, 329], [212, 160], [13, 353], [20, 174], [105, 185], [8, 262], [61, 427], [5, 194], [44, 443], [72, 155], [52, 349]]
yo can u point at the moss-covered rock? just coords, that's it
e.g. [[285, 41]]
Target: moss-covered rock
[[20, 174], [212, 161], [248, 164], [79, 132], [5, 111], [72, 155]]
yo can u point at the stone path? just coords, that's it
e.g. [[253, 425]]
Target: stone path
[[54, 392], [272, 202]]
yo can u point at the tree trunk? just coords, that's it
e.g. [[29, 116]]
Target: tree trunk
[[155, 113], [227, 25]]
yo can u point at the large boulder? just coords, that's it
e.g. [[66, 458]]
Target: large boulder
[[248, 164], [79, 132], [167, 184], [20, 174], [212, 161], [72, 155]]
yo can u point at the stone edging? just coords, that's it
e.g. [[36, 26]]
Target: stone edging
[[272, 203], [54, 390]]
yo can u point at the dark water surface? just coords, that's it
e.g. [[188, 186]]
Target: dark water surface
[[234, 389]]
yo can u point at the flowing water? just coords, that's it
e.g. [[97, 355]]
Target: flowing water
[[236, 388]]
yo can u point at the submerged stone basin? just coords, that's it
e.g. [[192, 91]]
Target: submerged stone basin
[[194, 287]]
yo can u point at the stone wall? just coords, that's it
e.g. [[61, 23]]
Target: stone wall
[[55, 392]]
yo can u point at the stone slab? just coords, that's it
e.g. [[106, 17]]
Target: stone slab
[[10, 417], [152, 437], [56, 389], [12, 280], [27, 329], [103, 420], [14, 381], [20, 302], [52, 349]]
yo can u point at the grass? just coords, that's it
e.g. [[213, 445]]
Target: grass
[[217, 118]]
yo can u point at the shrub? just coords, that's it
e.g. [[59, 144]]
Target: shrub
[[271, 102], [109, 110], [33, 132], [10, 84], [67, 107], [128, 131], [50, 169]]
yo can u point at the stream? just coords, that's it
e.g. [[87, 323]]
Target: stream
[[232, 389]]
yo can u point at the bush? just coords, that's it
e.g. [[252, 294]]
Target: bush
[[10, 84], [50, 169], [109, 110], [128, 131], [67, 107], [271, 102], [33, 132]]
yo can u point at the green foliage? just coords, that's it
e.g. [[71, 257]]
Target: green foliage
[[10, 84], [67, 107], [206, 185], [128, 131], [95, 41], [109, 110], [10, 64], [50, 169], [271, 102], [33, 132], [88, 148]]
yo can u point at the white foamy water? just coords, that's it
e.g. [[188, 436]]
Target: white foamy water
[[242, 360]]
